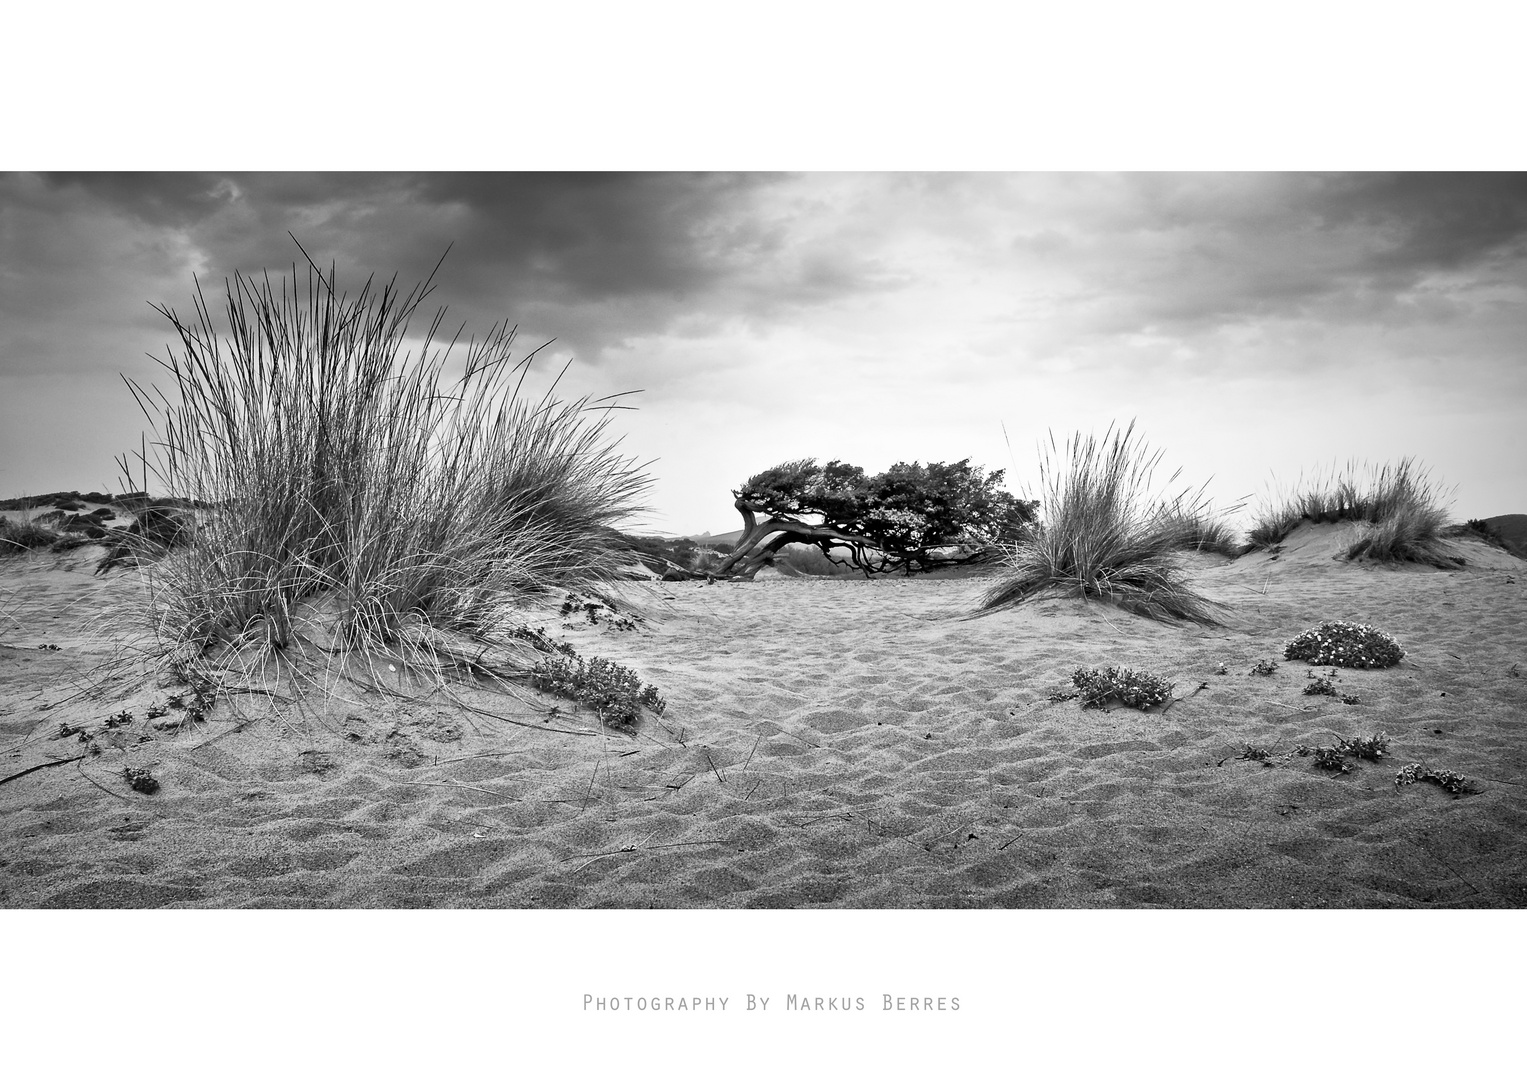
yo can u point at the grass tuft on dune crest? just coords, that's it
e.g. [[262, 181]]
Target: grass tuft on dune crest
[[366, 508], [1400, 513]]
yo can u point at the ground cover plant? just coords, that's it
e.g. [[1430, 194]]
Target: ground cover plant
[[1446, 779], [1103, 537], [1136, 689], [1334, 758], [364, 508], [1400, 513], [1345, 644], [614, 692], [1318, 686]]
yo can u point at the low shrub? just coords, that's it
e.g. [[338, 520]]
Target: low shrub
[[19, 536], [1370, 748], [1319, 686], [1329, 758], [1345, 644], [614, 692], [1334, 758], [1136, 689]]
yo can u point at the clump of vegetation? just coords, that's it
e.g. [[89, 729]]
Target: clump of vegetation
[[1446, 779], [1257, 753], [1370, 748], [21, 536], [370, 515], [1334, 758], [1344, 644], [910, 519], [1329, 758], [140, 780], [1264, 667], [1103, 537], [541, 641], [1194, 527], [1400, 511], [592, 609], [1136, 689], [1319, 686], [614, 692]]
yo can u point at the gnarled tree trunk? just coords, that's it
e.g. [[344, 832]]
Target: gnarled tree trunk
[[761, 539]]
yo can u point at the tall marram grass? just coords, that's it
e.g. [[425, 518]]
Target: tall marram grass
[[363, 505], [21, 536], [1399, 510], [1104, 537]]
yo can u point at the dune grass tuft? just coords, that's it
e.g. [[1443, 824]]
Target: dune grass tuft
[[1102, 536], [1399, 510], [1197, 529], [363, 506], [17, 537]]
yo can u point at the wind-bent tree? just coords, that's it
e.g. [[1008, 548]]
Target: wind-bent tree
[[910, 518]]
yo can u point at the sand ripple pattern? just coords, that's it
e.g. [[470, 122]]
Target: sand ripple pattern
[[830, 743]]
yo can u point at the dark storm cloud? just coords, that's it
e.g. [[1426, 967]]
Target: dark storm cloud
[[1169, 251], [163, 199], [1430, 220], [588, 258], [603, 235]]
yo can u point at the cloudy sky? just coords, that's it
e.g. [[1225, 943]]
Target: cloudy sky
[[1256, 326]]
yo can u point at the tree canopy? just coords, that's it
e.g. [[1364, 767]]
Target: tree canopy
[[912, 517]]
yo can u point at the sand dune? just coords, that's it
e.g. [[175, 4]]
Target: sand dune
[[827, 742]]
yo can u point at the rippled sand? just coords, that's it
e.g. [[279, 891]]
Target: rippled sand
[[827, 742]]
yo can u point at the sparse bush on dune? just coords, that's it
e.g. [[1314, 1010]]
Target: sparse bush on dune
[[1128, 686], [365, 506], [1399, 510], [21, 536], [1102, 537], [1345, 644]]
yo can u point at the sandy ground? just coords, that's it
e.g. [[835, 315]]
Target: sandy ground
[[827, 743]]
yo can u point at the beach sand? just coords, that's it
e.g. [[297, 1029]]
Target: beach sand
[[831, 743]]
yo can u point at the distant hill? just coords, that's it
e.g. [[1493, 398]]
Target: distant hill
[[711, 539], [1512, 528]]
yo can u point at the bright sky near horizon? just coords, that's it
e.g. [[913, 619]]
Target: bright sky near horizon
[[1256, 326]]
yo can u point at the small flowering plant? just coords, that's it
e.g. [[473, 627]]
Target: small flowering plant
[[1344, 644], [1136, 689]]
